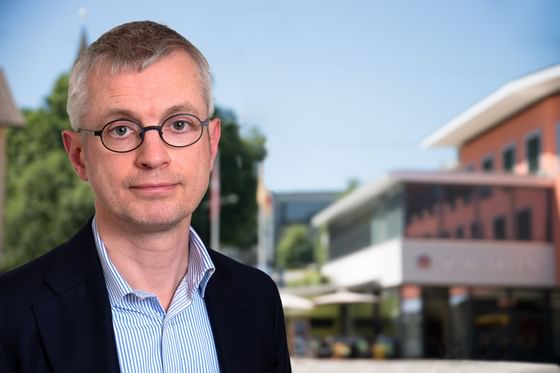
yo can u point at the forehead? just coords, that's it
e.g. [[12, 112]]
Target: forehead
[[173, 80]]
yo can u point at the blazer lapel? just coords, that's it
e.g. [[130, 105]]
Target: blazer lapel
[[232, 323], [75, 324]]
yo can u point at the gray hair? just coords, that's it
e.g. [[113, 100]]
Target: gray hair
[[130, 47]]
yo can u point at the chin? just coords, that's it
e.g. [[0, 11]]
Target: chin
[[156, 224]]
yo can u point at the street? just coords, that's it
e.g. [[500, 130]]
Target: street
[[416, 366]]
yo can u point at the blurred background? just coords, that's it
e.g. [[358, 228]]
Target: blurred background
[[394, 165]]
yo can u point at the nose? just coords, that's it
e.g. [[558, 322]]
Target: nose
[[153, 152]]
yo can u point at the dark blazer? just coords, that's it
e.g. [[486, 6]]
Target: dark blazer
[[55, 315]]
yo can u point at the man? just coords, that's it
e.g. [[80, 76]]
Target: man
[[136, 290]]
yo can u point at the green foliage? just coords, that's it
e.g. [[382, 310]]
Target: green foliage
[[312, 276], [41, 134], [238, 157], [295, 247], [351, 185], [45, 201]]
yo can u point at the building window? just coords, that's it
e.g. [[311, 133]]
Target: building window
[[488, 163], [476, 230], [459, 232], [533, 152], [523, 224], [393, 212], [508, 158], [500, 228], [558, 141]]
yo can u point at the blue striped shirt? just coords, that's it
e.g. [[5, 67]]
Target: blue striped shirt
[[148, 338]]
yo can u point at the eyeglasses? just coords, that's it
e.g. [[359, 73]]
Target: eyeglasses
[[123, 135]]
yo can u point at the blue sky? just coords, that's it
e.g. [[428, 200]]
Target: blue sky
[[341, 89]]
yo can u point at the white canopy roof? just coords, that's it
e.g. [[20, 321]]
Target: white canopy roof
[[343, 296], [503, 103], [292, 302]]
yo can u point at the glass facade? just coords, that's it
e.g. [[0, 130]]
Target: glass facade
[[350, 234], [374, 224], [511, 324], [480, 323], [446, 211], [477, 212]]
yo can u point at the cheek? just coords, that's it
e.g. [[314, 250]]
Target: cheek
[[100, 182], [197, 174], [104, 176]]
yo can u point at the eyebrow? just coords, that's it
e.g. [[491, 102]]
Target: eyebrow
[[184, 107]]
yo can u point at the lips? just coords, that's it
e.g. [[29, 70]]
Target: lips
[[154, 188]]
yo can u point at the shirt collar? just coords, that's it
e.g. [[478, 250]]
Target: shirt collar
[[199, 271]]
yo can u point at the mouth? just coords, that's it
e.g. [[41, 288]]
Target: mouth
[[153, 189]]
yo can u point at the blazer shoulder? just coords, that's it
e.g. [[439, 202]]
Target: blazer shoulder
[[28, 280], [25, 278], [247, 287], [240, 273]]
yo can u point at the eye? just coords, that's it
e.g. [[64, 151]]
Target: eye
[[180, 125], [120, 130]]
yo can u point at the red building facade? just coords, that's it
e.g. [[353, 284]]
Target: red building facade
[[470, 256]]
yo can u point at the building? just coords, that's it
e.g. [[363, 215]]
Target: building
[[298, 208], [10, 117], [466, 262], [294, 208]]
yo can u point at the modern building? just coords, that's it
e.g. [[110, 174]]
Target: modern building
[[466, 262], [297, 208], [10, 116]]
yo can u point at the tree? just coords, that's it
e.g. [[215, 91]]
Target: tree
[[238, 159], [351, 185], [47, 202], [295, 247]]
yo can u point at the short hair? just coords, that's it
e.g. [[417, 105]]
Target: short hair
[[132, 46]]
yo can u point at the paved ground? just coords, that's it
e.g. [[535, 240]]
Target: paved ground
[[422, 366]]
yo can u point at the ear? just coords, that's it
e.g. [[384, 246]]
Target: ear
[[214, 131], [75, 151]]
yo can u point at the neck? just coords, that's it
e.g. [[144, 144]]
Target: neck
[[150, 261]]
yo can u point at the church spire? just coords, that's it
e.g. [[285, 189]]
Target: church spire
[[83, 42], [82, 13]]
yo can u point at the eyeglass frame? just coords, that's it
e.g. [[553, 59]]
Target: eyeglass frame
[[144, 129]]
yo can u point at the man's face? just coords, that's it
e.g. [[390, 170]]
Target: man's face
[[154, 187]]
